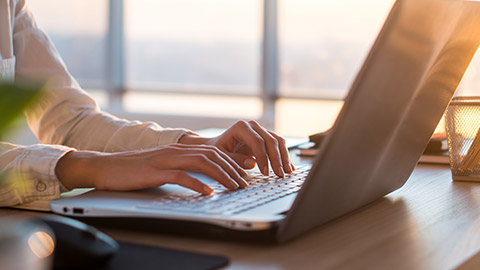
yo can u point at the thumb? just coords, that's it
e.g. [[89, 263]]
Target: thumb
[[244, 161]]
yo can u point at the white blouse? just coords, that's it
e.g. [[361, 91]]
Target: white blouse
[[66, 120]]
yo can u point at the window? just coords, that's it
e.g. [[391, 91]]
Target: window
[[193, 46], [323, 44], [470, 85], [78, 29], [279, 61], [203, 56]]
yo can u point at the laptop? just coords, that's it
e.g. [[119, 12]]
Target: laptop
[[391, 111]]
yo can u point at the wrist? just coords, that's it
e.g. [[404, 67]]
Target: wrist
[[76, 169], [192, 139]]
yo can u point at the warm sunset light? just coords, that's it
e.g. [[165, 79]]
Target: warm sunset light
[[239, 134]]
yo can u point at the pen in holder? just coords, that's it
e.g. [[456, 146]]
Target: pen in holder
[[463, 133]]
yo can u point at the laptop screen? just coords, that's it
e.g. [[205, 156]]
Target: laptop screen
[[392, 109]]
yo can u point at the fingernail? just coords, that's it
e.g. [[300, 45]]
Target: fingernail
[[293, 167], [244, 183], [282, 174], [207, 190], [234, 184], [249, 163], [288, 169], [265, 171]]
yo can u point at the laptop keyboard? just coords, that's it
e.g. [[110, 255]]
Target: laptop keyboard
[[261, 190]]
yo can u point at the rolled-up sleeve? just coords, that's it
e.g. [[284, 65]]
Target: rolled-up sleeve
[[28, 173]]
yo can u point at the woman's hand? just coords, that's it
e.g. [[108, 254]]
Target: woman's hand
[[249, 143], [150, 168], [223, 158]]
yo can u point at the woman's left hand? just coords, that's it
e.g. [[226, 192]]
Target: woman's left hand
[[248, 144]]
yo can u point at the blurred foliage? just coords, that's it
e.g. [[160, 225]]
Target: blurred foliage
[[14, 98]]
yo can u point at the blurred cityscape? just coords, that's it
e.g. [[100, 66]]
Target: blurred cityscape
[[303, 69]]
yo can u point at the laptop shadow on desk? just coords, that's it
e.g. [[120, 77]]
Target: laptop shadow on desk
[[375, 220]]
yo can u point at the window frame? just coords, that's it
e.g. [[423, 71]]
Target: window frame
[[269, 66]]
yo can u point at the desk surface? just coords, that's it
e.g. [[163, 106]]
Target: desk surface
[[430, 223]]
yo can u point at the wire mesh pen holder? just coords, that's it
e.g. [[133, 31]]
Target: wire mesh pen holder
[[463, 133]]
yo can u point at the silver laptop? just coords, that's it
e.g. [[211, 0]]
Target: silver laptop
[[392, 109]]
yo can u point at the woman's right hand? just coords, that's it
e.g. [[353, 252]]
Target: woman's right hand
[[150, 168]]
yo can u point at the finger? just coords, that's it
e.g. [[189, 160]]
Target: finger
[[282, 146], [246, 134], [272, 146], [183, 179], [231, 167], [220, 158], [200, 162], [223, 155], [245, 161]]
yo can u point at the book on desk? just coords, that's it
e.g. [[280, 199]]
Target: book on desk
[[436, 151]]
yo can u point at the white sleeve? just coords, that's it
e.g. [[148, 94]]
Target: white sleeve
[[27, 173]]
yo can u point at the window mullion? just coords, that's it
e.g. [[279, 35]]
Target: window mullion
[[269, 75], [116, 54]]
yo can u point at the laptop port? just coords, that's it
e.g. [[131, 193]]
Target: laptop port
[[78, 211]]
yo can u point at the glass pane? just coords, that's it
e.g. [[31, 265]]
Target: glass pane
[[470, 85], [190, 104], [294, 116], [78, 29], [198, 46], [323, 43]]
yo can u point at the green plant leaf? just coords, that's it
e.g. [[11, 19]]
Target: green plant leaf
[[14, 98]]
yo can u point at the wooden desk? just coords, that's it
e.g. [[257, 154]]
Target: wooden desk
[[430, 223]]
